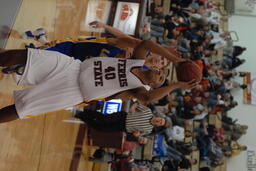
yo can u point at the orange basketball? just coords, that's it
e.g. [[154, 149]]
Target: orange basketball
[[187, 71]]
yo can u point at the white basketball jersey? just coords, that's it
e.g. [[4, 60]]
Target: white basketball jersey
[[102, 77]]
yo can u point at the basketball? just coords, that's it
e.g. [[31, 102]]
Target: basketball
[[187, 71]]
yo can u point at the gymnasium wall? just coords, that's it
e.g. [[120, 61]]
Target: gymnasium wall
[[8, 12], [245, 26]]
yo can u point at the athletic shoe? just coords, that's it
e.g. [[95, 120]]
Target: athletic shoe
[[40, 35], [42, 39], [39, 31], [8, 70], [18, 69], [28, 35]]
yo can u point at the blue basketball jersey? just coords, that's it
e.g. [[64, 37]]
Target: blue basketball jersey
[[83, 48]]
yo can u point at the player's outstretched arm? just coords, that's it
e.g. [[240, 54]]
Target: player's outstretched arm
[[146, 97], [110, 29], [124, 42], [146, 45]]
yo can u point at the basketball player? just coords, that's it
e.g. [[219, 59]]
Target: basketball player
[[61, 81], [122, 46]]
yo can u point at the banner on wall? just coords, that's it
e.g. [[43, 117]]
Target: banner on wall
[[250, 91], [97, 11], [126, 17], [251, 160]]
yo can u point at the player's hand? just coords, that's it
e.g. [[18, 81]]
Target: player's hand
[[174, 51], [136, 133], [187, 85], [179, 60], [133, 107], [97, 24]]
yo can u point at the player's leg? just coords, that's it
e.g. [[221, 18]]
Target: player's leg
[[8, 113], [13, 57]]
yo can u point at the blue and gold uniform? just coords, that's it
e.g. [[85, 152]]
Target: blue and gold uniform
[[87, 47], [83, 48]]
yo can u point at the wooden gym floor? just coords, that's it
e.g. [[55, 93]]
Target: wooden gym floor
[[44, 143]]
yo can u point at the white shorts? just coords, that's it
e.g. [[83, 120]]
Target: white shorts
[[55, 79]]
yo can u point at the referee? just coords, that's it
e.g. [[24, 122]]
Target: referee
[[138, 121]]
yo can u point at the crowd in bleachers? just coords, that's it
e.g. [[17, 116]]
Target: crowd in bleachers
[[193, 27]]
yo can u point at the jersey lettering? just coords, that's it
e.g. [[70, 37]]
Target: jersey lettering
[[110, 73], [121, 73], [98, 73]]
